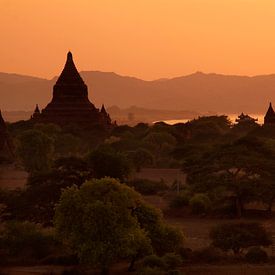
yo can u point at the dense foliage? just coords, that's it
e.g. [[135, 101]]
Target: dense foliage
[[228, 169], [238, 236], [85, 217]]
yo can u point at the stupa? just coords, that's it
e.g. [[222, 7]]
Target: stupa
[[70, 103]]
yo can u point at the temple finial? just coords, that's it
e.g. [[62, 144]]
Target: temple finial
[[37, 110], [69, 55]]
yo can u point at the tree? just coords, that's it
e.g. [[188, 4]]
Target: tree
[[44, 189], [164, 238], [25, 238], [96, 219], [67, 145], [159, 140], [239, 167], [207, 128], [35, 150], [237, 236], [106, 162], [141, 157]]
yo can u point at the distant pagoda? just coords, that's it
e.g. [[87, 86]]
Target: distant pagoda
[[270, 115], [6, 145], [242, 118], [70, 103]]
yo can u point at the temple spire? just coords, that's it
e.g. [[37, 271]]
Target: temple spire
[[37, 109], [270, 115], [2, 122], [103, 110], [69, 56], [70, 74]]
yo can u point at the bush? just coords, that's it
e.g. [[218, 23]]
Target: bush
[[200, 204], [154, 261], [73, 271], [185, 253], [26, 239], [147, 187], [208, 255], [151, 271], [256, 255], [60, 260], [181, 200], [174, 272], [172, 260], [238, 236]]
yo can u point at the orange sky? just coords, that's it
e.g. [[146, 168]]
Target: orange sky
[[145, 38]]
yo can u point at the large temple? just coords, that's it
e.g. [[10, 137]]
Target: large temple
[[70, 103]]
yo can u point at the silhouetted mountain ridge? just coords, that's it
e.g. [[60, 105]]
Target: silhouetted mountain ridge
[[199, 91]]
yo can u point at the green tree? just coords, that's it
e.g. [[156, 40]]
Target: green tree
[[239, 167], [164, 238], [25, 238], [237, 236], [141, 157], [97, 220], [44, 189], [35, 150], [106, 162]]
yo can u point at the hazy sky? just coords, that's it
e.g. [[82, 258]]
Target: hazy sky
[[144, 38]]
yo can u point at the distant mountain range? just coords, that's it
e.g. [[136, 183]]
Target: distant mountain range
[[197, 92]]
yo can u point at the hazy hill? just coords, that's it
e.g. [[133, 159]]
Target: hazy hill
[[198, 92]]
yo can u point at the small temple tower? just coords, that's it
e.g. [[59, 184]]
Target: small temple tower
[[70, 103], [242, 118], [105, 115], [36, 112], [270, 115], [6, 145]]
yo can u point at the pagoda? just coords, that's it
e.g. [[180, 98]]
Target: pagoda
[[243, 118], [70, 103], [270, 115], [6, 145]]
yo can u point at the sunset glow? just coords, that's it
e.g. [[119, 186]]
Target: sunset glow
[[149, 39]]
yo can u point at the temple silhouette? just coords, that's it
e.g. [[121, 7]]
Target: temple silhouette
[[70, 103], [270, 115], [6, 144]]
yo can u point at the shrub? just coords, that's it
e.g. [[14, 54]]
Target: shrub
[[181, 200], [237, 236], [207, 255], [185, 253], [26, 239], [200, 204], [256, 255], [174, 272], [167, 239], [60, 260], [151, 271], [73, 271], [148, 187], [172, 260], [154, 261]]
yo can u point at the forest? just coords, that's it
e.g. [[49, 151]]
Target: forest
[[84, 207]]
